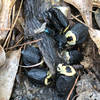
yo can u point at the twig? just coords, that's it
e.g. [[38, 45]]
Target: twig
[[19, 40], [4, 29], [13, 25], [35, 65], [96, 4], [13, 14], [73, 87], [75, 97], [81, 22], [24, 44], [76, 16]]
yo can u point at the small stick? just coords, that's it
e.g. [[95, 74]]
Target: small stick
[[78, 15], [13, 14], [4, 29], [96, 4], [13, 25], [75, 96], [35, 65], [19, 40], [79, 20], [82, 22], [24, 44], [72, 88]]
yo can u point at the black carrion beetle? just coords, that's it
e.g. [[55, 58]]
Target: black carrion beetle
[[39, 76], [31, 55], [72, 57], [64, 84], [66, 79], [63, 21], [77, 35], [61, 41], [55, 19]]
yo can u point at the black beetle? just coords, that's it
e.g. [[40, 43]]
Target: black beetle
[[61, 41], [55, 19], [64, 84], [72, 57], [31, 55], [66, 79], [77, 35], [40, 76], [63, 21]]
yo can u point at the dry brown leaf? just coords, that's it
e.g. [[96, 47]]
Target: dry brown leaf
[[14, 23], [5, 18], [96, 3], [55, 2], [95, 36], [85, 8], [96, 0], [8, 73], [0, 5], [87, 62], [2, 56]]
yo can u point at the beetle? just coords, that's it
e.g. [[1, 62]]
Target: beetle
[[55, 19], [77, 35], [60, 41], [40, 76], [72, 56], [60, 17], [31, 55], [66, 79], [64, 84]]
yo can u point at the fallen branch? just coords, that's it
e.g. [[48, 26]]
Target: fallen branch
[[20, 45]]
